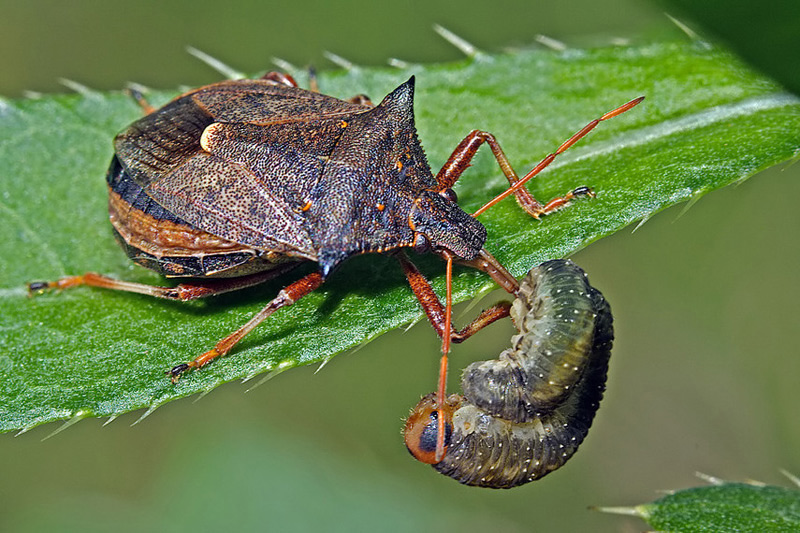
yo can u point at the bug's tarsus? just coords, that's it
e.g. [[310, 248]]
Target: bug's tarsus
[[583, 191], [560, 201], [37, 287], [177, 371]]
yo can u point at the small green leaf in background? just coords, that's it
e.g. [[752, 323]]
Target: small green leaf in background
[[708, 121], [736, 507]]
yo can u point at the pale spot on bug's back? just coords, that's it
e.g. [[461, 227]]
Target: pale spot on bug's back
[[207, 139]]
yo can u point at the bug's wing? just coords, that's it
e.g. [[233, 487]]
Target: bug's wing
[[245, 179], [228, 200], [287, 159], [213, 194]]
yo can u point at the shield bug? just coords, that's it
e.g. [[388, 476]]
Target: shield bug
[[236, 182], [524, 414]]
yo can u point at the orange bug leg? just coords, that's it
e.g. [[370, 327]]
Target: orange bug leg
[[461, 157], [286, 297]]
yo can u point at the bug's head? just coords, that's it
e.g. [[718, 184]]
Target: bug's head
[[422, 427], [440, 225]]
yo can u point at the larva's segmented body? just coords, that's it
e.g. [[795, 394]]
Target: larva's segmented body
[[524, 414]]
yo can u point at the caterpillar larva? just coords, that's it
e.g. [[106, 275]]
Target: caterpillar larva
[[524, 414]]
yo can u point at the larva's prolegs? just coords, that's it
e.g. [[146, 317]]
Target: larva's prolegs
[[524, 414]]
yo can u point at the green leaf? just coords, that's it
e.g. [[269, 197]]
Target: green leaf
[[727, 507], [707, 122]]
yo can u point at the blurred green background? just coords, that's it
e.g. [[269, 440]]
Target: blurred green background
[[703, 376]]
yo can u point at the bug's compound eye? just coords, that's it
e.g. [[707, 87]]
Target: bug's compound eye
[[422, 429], [450, 194], [421, 244]]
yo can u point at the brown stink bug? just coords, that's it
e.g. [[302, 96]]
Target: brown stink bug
[[236, 182]]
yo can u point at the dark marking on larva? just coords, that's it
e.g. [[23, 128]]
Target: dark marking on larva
[[524, 414]]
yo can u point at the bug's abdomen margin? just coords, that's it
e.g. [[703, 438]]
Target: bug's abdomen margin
[[524, 414], [156, 238]]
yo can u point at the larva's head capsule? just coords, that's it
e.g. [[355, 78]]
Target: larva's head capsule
[[422, 427]]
